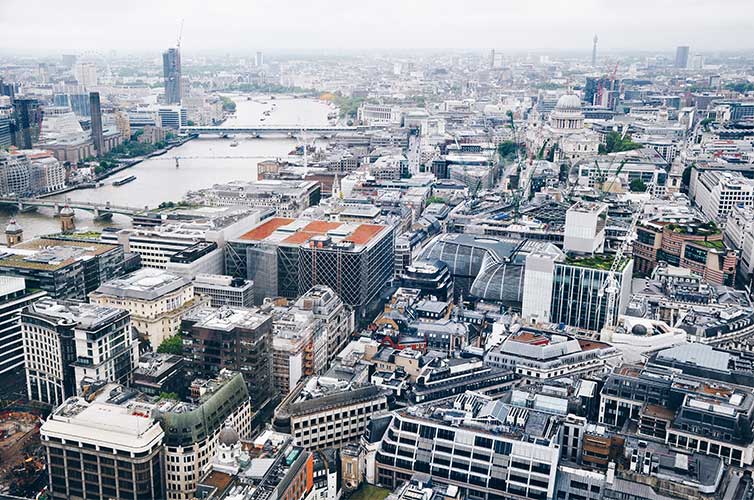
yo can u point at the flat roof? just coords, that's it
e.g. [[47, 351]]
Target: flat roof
[[285, 231], [265, 229], [146, 284]]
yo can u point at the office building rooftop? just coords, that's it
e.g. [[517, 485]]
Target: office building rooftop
[[144, 284], [226, 318], [294, 232], [50, 255], [87, 316]]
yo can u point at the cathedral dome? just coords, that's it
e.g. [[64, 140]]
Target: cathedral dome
[[568, 102]]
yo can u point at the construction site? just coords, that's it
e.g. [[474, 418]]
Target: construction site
[[21, 455]]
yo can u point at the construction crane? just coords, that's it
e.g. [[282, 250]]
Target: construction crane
[[600, 88], [180, 34], [610, 285]]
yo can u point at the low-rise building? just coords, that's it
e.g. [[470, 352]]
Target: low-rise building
[[156, 300], [65, 269], [536, 354], [485, 446], [225, 290], [330, 410], [287, 198]]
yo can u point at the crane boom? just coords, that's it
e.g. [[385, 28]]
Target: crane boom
[[180, 34], [610, 285]]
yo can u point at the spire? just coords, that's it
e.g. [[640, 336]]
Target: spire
[[336, 188]]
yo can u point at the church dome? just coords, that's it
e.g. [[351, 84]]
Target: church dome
[[568, 102], [228, 436], [66, 210]]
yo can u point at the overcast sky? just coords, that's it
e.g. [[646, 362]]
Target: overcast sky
[[57, 26]]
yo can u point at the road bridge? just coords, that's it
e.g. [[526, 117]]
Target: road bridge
[[260, 130], [100, 210]]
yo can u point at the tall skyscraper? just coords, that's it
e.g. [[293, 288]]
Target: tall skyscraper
[[171, 69], [259, 59], [96, 114], [594, 51], [682, 56], [86, 74]]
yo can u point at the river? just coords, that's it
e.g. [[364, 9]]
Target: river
[[203, 161]]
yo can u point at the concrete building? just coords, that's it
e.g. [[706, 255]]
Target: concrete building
[[683, 411], [193, 431], [377, 114], [717, 192], [286, 257], [536, 354], [156, 300], [116, 439], [121, 446], [172, 242], [86, 74], [495, 449], [160, 373], [171, 71], [270, 467], [218, 338], [65, 269], [14, 297], [225, 290], [331, 410], [69, 345], [288, 198], [172, 117], [336, 317], [585, 228]]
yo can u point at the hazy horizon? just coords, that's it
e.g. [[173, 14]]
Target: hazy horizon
[[235, 26]]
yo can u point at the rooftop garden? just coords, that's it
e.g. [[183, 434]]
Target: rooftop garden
[[601, 262], [369, 492], [700, 229], [716, 244]]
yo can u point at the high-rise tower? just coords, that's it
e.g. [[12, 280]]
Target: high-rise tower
[[171, 69], [594, 51], [96, 115], [682, 56]]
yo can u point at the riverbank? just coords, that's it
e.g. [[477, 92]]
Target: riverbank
[[129, 162]]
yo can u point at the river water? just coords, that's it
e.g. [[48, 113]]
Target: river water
[[203, 161]]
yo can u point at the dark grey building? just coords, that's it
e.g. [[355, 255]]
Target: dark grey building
[[96, 113], [63, 268], [231, 338], [171, 69], [13, 298], [682, 56]]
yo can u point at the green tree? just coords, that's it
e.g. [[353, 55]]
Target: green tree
[[741, 87], [170, 395], [228, 104], [435, 199], [171, 345], [637, 185], [614, 143], [507, 149]]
